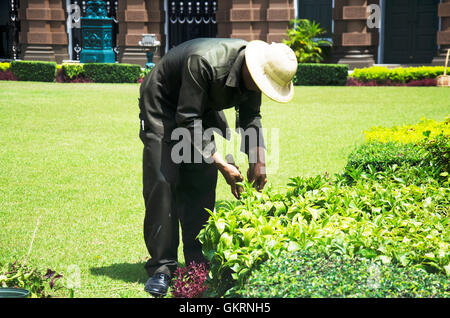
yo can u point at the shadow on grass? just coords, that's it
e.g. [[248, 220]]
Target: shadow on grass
[[132, 273], [126, 272]]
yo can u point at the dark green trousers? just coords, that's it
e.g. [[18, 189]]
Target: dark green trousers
[[174, 194]]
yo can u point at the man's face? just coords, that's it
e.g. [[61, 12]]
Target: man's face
[[248, 80]]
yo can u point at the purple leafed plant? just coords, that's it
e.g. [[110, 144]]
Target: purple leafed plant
[[7, 76], [423, 82], [190, 281]]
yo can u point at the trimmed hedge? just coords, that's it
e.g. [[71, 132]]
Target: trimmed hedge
[[34, 71], [409, 133], [309, 274], [426, 144], [112, 73], [71, 72], [379, 155], [321, 74], [383, 75]]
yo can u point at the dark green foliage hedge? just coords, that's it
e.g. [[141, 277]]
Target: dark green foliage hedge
[[34, 71], [96, 72], [430, 156], [438, 150], [112, 73], [380, 155], [321, 74], [310, 274]]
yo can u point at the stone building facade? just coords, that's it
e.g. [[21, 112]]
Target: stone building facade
[[391, 32]]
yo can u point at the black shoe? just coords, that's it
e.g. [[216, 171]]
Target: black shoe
[[158, 284]]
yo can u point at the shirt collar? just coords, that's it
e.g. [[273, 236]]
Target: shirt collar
[[234, 78]]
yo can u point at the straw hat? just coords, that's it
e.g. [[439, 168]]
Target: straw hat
[[272, 67]]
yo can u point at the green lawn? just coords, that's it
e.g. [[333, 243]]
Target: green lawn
[[70, 153]]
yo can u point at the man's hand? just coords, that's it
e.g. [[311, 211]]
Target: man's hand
[[232, 175], [256, 173], [230, 172], [257, 170]]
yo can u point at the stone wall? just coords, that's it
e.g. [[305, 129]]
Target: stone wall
[[254, 19], [354, 43], [137, 17], [43, 33], [443, 36], [43, 30]]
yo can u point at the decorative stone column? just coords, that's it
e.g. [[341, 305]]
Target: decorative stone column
[[137, 17], [43, 33], [354, 43], [443, 36], [156, 24], [242, 19], [254, 19], [279, 13], [223, 19]]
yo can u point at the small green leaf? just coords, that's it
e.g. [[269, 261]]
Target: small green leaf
[[220, 225], [385, 259], [447, 269], [293, 246]]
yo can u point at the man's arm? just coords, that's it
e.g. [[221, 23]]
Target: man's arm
[[252, 140]]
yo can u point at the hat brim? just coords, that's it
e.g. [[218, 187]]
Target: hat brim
[[254, 58]]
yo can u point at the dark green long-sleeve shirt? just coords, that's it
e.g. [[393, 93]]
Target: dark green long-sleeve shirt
[[192, 84]]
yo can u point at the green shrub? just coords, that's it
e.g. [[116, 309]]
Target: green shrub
[[321, 74], [34, 71], [311, 274], [390, 204], [409, 133], [379, 216], [4, 66], [426, 143], [381, 74], [303, 39], [73, 70], [379, 155], [438, 150], [112, 73], [145, 72]]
